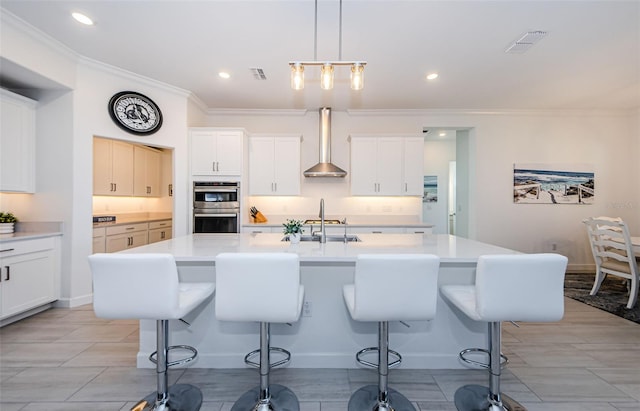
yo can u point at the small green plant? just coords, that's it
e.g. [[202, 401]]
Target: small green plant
[[7, 218], [292, 227]]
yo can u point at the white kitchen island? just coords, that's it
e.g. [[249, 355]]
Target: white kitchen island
[[325, 336]]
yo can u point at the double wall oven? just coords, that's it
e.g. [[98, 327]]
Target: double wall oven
[[216, 207]]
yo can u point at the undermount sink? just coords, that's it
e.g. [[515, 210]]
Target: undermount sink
[[330, 238]]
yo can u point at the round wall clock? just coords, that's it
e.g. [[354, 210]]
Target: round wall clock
[[135, 113]]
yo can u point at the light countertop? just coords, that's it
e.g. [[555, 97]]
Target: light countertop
[[204, 247], [132, 218], [32, 230], [394, 221]]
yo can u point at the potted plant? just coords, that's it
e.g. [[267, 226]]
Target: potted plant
[[293, 229], [7, 223]]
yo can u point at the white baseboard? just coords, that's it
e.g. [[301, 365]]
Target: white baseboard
[[74, 302]]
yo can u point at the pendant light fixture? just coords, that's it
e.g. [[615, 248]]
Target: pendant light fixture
[[327, 67]]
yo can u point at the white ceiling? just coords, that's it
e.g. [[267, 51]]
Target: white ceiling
[[589, 59]]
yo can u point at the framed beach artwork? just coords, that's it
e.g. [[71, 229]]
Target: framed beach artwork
[[430, 189], [553, 184]]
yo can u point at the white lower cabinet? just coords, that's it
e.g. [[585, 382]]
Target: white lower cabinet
[[29, 274], [123, 237], [160, 231]]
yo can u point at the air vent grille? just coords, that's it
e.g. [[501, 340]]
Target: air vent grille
[[258, 73], [525, 42]]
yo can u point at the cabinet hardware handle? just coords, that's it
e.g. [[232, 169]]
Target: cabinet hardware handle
[[376, 232], [276, 186], [115, 186], [7, 249], [213, 166], [130, 228], [162, 234], [405, 187], [8, 277]]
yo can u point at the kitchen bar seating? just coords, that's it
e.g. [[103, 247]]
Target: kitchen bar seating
[[261, 287], [389, 287], [521, 287], [146, 286]]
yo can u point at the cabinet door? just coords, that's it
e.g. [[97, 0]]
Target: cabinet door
[[102, 163], [413, 166], [122, 168], [159, 234], [99, 244], [286, 166], [229, 153], [364, 153], [139, 238], [17, 144], [203, 151], [119, 242], [27, 282], [261, 160], [389, 166], [146, 172]]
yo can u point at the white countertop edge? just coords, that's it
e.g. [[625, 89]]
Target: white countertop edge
[[19, 236]]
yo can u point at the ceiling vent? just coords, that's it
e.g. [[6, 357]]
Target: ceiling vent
[[525, 42], [258, 73]]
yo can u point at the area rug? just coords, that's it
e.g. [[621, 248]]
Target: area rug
[[612, 296]]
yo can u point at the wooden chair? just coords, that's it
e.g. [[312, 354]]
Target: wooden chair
[[613, 254]]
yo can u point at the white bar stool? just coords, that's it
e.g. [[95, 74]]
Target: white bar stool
[[518, 287], [146, 286], [262, 287], [389, 287]]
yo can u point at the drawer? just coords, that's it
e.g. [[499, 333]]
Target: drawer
[[159, 224], [98, 232], [127, 228], [11, 248]]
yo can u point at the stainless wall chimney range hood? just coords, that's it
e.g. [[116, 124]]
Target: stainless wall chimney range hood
[[325, 168]]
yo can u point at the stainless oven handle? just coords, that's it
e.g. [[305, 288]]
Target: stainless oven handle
[[215, 215], [215, 190]]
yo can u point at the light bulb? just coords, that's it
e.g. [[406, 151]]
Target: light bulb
[[357, 76], [297, 76], [326, 77]]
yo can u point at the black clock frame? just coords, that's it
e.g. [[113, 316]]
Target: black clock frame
[[112, 113]]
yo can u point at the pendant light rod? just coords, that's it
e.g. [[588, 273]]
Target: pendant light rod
[[340, 34]]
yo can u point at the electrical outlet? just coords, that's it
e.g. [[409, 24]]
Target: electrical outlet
[[306, 309]]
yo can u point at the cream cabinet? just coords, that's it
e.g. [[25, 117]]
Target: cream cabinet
[[29, 274], [274, 165], [386, 166], [160, 231], [112, 167], [216, 152], [17, 143], [146, 172], [99, 240], [122, 237]]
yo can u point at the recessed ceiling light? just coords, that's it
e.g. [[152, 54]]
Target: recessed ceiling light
[[432, 76], [442, 134], [82, 18], [224, 74]]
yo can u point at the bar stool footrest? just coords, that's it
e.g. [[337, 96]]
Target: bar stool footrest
[[368, 350], [181, 361], [249, 362], [503, 358]]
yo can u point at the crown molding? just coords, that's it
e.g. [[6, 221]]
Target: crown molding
[[493, 112], [256, 112]]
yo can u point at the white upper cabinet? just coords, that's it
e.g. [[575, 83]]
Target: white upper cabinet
[[216, 152], [112, 167], [386, 166], [274, 165], [17, 143], [146, 172]]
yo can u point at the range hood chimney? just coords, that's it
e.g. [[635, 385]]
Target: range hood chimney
[[325, 168]]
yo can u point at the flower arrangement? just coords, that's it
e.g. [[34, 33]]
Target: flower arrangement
[[292, 227], [7, 218]]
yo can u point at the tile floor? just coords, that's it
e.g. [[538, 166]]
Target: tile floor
[[67, 360]]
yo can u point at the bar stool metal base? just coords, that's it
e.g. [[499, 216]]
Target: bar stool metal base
[[366, 399], [182, 397], [281, 399], [476, 398]]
